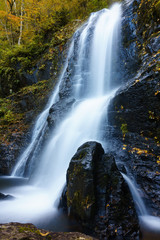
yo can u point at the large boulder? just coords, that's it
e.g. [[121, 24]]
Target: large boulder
[[97, 195], [81, 198]]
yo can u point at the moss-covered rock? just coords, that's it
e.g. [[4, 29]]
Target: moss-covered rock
[[81, 200], [97, 195], [28, 231], [17, 114]]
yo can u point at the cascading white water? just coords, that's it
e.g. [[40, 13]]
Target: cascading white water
[[141, 209], [76, 129], [149, 225], [101, 70], [40, 125], [93, 91], [86, 115]]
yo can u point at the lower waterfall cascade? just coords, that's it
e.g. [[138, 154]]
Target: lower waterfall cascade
[[39, 181]]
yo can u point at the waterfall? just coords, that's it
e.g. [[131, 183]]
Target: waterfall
[[39, 128], [149, 225], [93, 86], [77, 127], [141, 209]]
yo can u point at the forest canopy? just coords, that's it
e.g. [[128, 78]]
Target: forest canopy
[[27, 27], [22, 20]]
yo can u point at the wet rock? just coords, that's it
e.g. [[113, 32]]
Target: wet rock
[[129, 59], [28, 231], [134, 119], [59, 110], [81, 200], [116, 217], [5, 197], [97, 195]]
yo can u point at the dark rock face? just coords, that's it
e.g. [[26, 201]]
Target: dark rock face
[[97, 195], [59, 111], [129, 59], [8, 154], [116, 218], [28, 103], [138, 107], [134, 113]]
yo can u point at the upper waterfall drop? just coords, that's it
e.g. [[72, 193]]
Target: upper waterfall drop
[[104, 51], [94, 68]]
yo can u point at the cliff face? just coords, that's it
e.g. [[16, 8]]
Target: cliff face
[[18, 111], [134, 113]]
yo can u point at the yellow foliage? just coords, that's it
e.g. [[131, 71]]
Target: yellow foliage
[[44, 234], [140, 151], [156, 93], [158, 161], [124, 147]]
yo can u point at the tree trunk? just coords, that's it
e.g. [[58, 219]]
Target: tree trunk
[[21, 23]]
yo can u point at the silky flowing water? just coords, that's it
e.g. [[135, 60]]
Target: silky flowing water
[[149, 225], [35, 199]]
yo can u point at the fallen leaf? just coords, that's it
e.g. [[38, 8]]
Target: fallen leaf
[[44, 234]]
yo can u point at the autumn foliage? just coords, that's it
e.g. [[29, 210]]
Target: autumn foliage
[[22, 20]]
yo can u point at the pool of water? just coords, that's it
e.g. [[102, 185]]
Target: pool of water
[[31, 204]]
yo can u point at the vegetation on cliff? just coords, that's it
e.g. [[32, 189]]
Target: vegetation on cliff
[[33, 37], [26, 30]]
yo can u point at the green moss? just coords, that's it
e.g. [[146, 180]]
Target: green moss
[[82, 154], [157, 7], [13, 114], [28, 229], [124, 128]]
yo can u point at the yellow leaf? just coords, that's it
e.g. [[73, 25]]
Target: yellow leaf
[[44, 234], [156, 93]]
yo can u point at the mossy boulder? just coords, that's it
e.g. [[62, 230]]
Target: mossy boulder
[[81, 200], [97, 195]]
